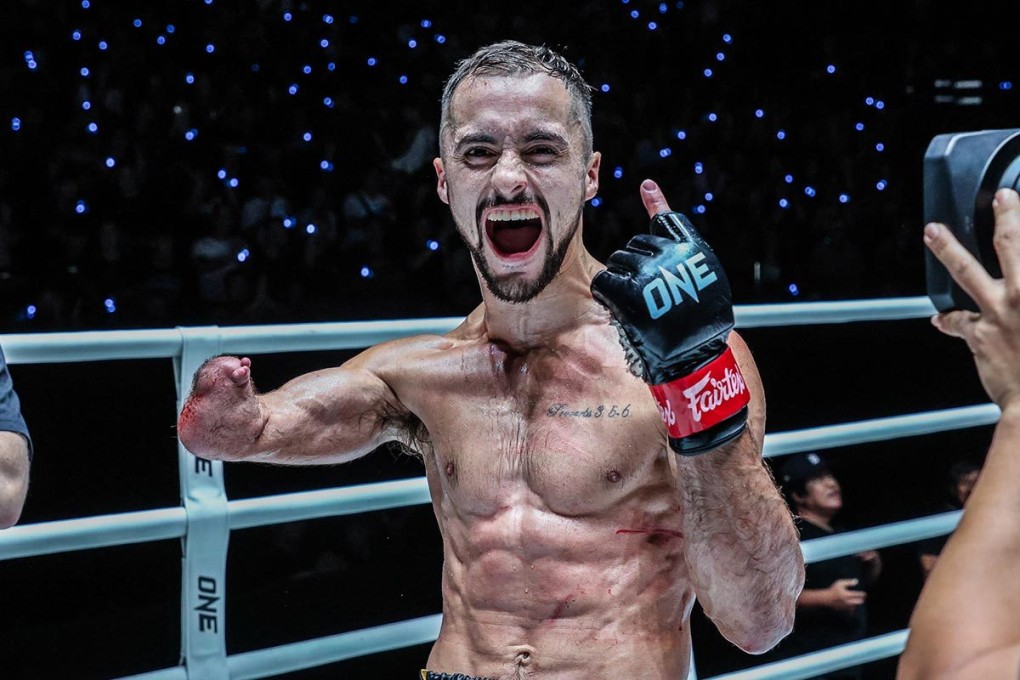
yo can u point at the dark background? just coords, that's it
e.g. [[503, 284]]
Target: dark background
[[157, 240]]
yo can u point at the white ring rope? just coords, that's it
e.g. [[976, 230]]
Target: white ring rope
[[134, 527]]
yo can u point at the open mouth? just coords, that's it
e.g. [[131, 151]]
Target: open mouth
[[513, 231]]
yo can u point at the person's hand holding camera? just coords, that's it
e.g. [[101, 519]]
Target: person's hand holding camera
[[993, 334]]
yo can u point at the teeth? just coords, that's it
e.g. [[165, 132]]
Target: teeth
[[512, 215]]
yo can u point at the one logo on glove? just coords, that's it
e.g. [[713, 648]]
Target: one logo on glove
[[712, 394], [668, 289]]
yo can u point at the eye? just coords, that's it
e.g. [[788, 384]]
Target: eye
[[543, 154], [479, 155]]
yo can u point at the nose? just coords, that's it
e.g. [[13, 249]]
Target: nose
[[509, 177]]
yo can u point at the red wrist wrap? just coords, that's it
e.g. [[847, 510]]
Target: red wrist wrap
[[704, 398]]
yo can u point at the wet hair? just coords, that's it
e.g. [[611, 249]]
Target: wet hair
[[513, 58]]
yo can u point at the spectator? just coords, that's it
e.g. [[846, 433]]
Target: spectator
[[963, 475], [15, 451]]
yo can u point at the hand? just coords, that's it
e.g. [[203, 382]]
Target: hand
[[993, 334], [670, 299], [222, 409], [868, 556], [843, 598]]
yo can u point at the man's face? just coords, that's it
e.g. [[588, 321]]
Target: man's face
[[515, 174], [822, 495], [965, 486]]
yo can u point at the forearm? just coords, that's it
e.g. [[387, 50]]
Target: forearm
[[742, 548], [975, 581], [14, 467], [814, 598]]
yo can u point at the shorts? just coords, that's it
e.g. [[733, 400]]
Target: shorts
[[432, 675]]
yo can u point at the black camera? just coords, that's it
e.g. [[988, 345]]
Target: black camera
[[962, 172]]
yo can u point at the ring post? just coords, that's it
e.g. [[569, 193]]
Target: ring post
[[204, 561]]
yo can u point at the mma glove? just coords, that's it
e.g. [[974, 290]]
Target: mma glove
[[671, 302]]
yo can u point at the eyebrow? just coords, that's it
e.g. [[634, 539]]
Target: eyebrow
[[535, 136], [545, 136]]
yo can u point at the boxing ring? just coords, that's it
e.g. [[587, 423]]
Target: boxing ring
[[206, 516]]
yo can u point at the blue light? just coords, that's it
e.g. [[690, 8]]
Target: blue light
[[794, 290], [634, 14], [327, 18], [210, 48], [233, 182], [30, 311], [15, 124], [698, 168], [719, 56], [425, 23], [880, 147], [652, 25], [626, 2], [85, 4], [287, 16], [708, 197], [432, 245], [617, 172], [830, 69], [708, 72], [403, 80], [293, 89], [222, 174], [324, 43], [783, 203], [160, 40], [326, 166], [727, 38], [76, 35], [712, 117], [788, 179], [880, 105], [255, 68], [412, 43], [208, 2], [306, 69], [86, 105], [103, 45], [859, 127], [440, 38], [243, 255], [191, 134], [331, 66], [110, 162], [605, 87], [170, 28], [353, 19], [189, 78], [366, 273], [80, 207], [844, 198], [700, 209], [33, 65], [596, 202], [681, 134], [372, 61], [1006, 85], [310, 229], [307, 136], [93, 128], [810, 191], [759, 113], [665, 151], [288, 222], [781, 134], [328, 102], [869, 100], [137, 23], [663, 8], [881, 185], [111, 305]]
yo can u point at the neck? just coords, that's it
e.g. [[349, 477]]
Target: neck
[[824, 520], [565, 304]]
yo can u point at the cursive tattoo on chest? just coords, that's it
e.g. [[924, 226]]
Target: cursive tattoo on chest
[[561, 410]]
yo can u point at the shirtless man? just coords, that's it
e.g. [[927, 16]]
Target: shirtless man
[[575, 540]]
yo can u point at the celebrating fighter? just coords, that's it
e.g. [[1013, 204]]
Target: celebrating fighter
[[581, 512]]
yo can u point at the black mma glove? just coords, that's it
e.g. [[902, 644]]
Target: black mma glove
[[671, 302]]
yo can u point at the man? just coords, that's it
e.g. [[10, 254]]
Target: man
[[15, 451], [831, 609], [963, 475], [965, 625], [575, 541]]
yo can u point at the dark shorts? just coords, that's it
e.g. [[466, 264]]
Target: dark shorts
[[431, 675]]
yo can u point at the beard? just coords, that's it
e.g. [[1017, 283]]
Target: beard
[[511, 288]]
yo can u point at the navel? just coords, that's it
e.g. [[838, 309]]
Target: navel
[[450, 468], [613, 476]]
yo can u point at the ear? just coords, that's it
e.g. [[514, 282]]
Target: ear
[[437, 163], [591, 178]]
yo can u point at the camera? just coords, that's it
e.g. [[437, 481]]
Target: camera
[[962, 172]]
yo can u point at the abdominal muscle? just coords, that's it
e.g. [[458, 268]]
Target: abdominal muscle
[[529, 593]]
